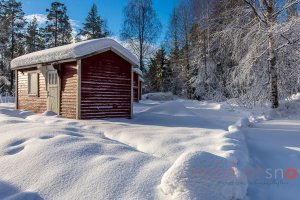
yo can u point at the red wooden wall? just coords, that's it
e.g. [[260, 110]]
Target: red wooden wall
[[135, 87], [140, 89], [105, 86]]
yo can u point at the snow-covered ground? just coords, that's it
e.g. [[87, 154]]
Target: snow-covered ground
[[177, 149], [274, 149]]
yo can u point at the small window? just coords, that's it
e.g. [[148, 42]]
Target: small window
[[33, 84]]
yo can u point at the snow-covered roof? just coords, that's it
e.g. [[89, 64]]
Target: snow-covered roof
[[73, 51], [138, 71]]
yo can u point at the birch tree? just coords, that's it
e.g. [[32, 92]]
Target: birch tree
[[266, 13], [141, 28]]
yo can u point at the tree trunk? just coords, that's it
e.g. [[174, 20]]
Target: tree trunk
[[12, 54], [273, 72], [270, 5]]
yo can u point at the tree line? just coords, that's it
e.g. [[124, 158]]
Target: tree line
[[246, 50]]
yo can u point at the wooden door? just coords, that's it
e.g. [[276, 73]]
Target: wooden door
[[53, 91]]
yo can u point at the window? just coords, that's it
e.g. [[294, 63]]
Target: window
[[52, 78], [33, 84]]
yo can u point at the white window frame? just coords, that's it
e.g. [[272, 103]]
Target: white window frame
[[36, 83]]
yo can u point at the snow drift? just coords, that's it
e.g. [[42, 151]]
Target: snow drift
[[121, 158], [201, 175], [287, 109]]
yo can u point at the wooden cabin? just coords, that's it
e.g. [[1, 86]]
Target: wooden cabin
[[86, 80]]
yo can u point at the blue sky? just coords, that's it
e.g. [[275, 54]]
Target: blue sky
[[111, 10]]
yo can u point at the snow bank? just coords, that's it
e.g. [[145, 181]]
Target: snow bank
[[160, 96], [236, 149], [49, 113], [201, 175], [287, 109]]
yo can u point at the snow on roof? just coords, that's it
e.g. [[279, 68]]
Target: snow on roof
[[73, 51], [138, 71]]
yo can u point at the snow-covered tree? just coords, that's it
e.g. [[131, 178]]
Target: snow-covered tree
[[12, 24]]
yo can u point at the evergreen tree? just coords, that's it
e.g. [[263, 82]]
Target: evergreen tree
[[34, 40], [158, 75], [12, 34], [94, 27], [58, 30], [175, 56]]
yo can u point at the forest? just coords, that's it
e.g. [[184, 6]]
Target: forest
[[244, 50]]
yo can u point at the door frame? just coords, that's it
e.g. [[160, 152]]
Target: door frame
[[56, 69]]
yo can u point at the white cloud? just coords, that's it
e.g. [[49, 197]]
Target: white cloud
[[75, 26], [41, 19]]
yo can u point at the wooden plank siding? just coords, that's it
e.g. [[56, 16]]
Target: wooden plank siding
[[136, 87], [105, 87], [140, 89], [68, 77], [37, 104]]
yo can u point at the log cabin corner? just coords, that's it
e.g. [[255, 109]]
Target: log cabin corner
[[86, 80]]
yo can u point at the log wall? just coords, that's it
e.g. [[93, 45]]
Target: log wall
[[105, 87], [37, 104], [136, 87], [68, 77]]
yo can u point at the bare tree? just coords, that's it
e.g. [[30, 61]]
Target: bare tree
[[141, 28]]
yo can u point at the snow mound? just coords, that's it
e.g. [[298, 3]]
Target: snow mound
[[287, 109], [202, 175], [243, 123], [160, 96], [237, 151], [49, 113]]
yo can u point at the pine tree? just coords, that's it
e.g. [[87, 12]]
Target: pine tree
[[34, 40], [94, 27], [175, 56], [180, 29], [58, 30], [159, 73], [12, 33]]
